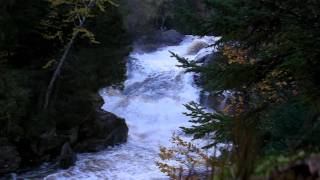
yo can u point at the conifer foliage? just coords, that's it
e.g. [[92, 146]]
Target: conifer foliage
[[268, 59]]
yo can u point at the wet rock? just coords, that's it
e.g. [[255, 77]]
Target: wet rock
[[105, 130], [196, 46], [67, 157], [203, 60], [207, 59], [211, 100], [157, 39], [9, 157], [198, 80]]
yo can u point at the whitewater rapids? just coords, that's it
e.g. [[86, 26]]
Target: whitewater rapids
[[152, 104]]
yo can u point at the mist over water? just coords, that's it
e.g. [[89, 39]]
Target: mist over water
[[152, 104]]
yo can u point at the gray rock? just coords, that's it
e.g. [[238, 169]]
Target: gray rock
[[9, 157], [67, 157], [105, 130]]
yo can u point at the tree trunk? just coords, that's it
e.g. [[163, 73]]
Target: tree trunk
[[57, 71], [62, 60]]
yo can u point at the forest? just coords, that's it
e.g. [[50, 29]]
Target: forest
[[260, 80]]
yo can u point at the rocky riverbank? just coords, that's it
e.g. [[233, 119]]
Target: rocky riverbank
[[94, 134]]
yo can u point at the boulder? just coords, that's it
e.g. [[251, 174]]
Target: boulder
[[67, 157], [9, 157], [105, 130], [196, 46]]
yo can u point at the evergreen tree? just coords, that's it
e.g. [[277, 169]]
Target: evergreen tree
[[268, 58]]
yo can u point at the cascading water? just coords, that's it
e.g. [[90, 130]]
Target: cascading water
[[152, 104]]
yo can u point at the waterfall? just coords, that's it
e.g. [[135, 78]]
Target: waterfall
[[152, 104]]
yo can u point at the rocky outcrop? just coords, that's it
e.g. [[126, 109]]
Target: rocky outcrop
[[105, 130], [97, 132], [9, 157], [157, 39]]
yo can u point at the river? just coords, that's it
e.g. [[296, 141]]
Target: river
[[152, 104]]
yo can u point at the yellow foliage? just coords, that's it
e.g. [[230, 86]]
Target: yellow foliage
[[236, 105], [49, 64], [85, 33], [184, 160], [277, 80], [79, 11], [236, 55]]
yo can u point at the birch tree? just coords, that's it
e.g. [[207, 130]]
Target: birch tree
[[79, 11]]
